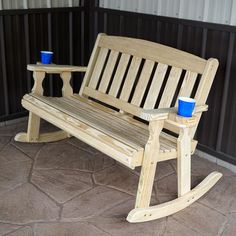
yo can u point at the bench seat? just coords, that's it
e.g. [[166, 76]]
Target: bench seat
[[127, 135]]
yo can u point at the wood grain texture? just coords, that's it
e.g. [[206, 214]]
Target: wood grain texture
[[55, 69], [155, 52], [106, 77], [170, 87], [155, 87], [130, 78], [171, 207], [119, 75], [97, 70], [119, 134], [142, 82]]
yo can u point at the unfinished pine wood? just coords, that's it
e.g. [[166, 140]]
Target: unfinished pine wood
[[154, 52], [148, 170], [33, 127], [170, 87], [119, 75], [142, 82], [104, 143], [204, 86], [55, 69], [128, 140], [66, 89], [187, 85], [155, 87], [115, 102], [92, 62], [106, 77], [38, 82], [130, 78], [171, 207], [184, 162], [98, 67], [43, 138]]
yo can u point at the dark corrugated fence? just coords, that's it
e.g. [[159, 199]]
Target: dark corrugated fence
[[71, 32], [23, 34]]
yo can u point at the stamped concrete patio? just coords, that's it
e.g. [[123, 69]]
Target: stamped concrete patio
[[69, 188]]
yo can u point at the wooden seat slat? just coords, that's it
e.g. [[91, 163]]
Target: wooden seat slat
[[120, 129]]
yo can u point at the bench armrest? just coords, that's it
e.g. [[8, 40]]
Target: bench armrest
[[55, 69], [166, 113], [40, 70]]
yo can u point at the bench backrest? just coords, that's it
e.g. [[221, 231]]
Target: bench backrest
[[132, 74]]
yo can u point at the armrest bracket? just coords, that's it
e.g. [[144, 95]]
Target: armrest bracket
[[40, 70]]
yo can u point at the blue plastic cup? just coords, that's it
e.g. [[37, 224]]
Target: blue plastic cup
[[186, 106], [46, 57]]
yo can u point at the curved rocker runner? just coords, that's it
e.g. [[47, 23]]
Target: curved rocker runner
[[124, 80]]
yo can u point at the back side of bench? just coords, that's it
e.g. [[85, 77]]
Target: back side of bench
[[133, 74]]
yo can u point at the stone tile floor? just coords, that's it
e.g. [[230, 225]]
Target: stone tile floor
[[69, 188]]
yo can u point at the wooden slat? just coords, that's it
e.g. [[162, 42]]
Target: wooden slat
[[143, 82], [205, 85], [52, 68], [173, 206], [98, 67], [154, 51], [119, 75], [106, 77], [187, 85], [125, 116], [115, 102], [170, 87], [118, 150], [130, 78], [155, 87], [91, 64]]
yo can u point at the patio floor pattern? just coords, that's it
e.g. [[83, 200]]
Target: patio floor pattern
[[69, 188]]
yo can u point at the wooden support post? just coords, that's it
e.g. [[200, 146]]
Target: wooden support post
[[149, 165], [66, 89], [184, 162], [33, 128], [34, 120], [38, 82]]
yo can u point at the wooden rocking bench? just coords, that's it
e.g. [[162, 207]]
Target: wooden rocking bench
[[129, 81]]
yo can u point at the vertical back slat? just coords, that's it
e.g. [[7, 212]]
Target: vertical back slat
[[106, 77], [130, 78], [187, 85], [155, 87], [98, 67], [170, 87], [92, 62], [120, 71], [142, 82]]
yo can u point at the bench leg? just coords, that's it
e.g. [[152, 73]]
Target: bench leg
[[184, 162], [33, 127], [142, 211], [148, 169], [33, 135], [173, 206]]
